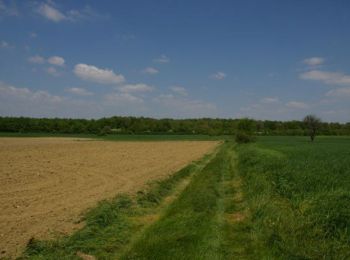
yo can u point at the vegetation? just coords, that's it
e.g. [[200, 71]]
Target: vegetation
[[312, 123], [245, 131], [298, 195], [141, 125], [194, 226]]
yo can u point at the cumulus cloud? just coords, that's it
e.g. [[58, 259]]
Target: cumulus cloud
[[51, 12], [218, 75], [52, 71], [36, 59], [150, 71], [177, 106], [8, 91], [327, 77], [95, 74], [297, 105], [314, 61], [123, 98], [339, 92], [33, 35], [136, 88], [79, 91], [162, 59], [179, 90], [4, 45], [270, 100], [7, 9], [56, 60]]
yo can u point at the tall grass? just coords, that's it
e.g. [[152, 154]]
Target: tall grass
[[299, 196]]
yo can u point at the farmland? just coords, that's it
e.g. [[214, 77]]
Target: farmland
[[47, 182], [278, 198]]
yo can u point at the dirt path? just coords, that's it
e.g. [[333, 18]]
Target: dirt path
[[47, 182]]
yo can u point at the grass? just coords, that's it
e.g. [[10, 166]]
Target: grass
[[123, 137], [299, 196], [196, 225], [111, 225]]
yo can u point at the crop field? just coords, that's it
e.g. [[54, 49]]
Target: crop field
[[277, 198], [298, 194], [46, 183]]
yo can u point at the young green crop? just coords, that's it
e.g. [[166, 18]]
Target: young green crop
[[299, 196]]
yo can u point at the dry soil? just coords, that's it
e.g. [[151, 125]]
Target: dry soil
[[46, 183]]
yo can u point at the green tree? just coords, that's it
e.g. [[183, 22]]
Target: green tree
[[312, 123]]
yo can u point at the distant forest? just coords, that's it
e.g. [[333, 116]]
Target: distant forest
[[142, 125]]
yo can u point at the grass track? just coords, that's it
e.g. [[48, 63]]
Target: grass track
[[194, 225]]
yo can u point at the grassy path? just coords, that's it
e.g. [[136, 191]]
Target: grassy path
[[204, 222]]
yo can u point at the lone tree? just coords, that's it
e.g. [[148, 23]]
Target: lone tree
[[312, 122]]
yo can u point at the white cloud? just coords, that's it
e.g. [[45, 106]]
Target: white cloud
[[150, 71], [179, 90], [51, 13], [4, 45], [339, 92], [8, 91], [218, 75], [36, 59], [56, 60], [314, 61], [79, 91], [297, 105], [136, 88], [327, 77], [177, 106], [123, 98], [94, 74], [9, 10], [52, 71], [162, 59], [33, 35], [270, 100]]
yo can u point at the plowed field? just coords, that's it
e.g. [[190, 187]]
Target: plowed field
[[46, 183]]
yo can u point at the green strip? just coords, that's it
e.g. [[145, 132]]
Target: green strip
[[193, 226]]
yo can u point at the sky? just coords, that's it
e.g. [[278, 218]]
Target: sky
[[271, 59]]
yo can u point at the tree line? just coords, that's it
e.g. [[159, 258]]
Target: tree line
[[143, 125]]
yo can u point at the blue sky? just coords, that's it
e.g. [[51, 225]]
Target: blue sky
[[268, 59]]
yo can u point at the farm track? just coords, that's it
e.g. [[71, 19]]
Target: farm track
[[47, 182], [200, 223]]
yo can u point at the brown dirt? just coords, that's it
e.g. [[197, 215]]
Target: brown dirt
[[46, 183]]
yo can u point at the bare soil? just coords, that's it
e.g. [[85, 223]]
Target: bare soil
[[46, 183]]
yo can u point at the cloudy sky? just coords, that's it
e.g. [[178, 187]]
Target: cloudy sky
[[175, 58]]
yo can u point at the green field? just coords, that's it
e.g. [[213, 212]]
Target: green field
[[278, 198]]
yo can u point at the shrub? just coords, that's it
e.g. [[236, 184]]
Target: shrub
[[243, 138]]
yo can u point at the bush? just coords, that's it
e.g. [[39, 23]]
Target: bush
[[243, 138]]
